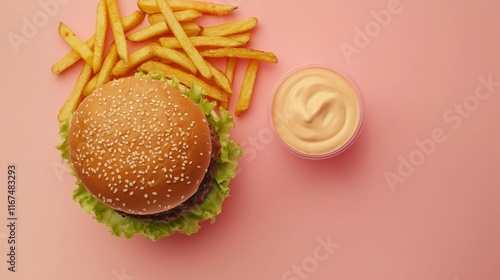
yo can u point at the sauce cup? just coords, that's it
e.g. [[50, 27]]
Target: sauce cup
[[316, 110]]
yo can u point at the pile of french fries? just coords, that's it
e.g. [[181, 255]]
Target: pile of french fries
[[171, 43]]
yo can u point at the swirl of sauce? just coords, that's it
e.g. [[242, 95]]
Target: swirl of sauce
[[315, 111]]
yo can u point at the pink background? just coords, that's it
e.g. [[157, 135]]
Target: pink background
[[440, 221]]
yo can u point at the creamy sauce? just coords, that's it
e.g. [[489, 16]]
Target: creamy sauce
[[315, 111]]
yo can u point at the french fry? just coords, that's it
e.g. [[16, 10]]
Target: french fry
[[181, 16], [76, 43], [134, 59], [240, 53], [230, 69], [220, 79], [129, 22], [229, 72], [101, 28], [76, 94], [247, 88], [183, 77], [201, 41], [151, 7], [133, 20], [234, 27], [179, 33], [109, 62], [90, 86], [243, 37], [155, 18], [187, 15], [149, 32], [117, 28], [70, 59], [191, 28], [161, 28], [104, 75], [175, 56]]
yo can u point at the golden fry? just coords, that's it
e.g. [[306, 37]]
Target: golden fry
[[240, 53], [243, 37], [134, 59], [71, 58], [247, 88], [155, 18], [220, 79], [175, 56], [161, 28], [90, 86], [179, 33], [148, 6], [187, 15], [230, 68], [109, 62], [129, 22], [234, 27], [229, 72], [132, 21], [76, 44], [100, 34], [149, 32], [181, 16], [76, 94], [117, 28], [183, 77], [201, 41], [191, 28], [151, 7]]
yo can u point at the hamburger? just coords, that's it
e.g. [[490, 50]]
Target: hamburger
[[151, 156]]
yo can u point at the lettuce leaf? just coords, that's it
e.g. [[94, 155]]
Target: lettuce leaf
[[189, 223]]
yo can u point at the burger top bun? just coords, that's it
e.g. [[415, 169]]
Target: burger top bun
[[139, 145]]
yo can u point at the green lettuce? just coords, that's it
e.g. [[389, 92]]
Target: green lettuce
[[189, 223]]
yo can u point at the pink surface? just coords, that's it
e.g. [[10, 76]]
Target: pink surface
[[415, 197]]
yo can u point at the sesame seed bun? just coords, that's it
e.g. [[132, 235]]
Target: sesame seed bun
[[139, 145]]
